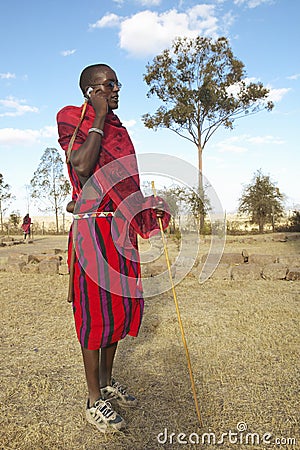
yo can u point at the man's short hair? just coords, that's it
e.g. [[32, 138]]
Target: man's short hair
[[86, 77]]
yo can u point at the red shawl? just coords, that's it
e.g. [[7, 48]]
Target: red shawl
[[115, 176], [26, 224]]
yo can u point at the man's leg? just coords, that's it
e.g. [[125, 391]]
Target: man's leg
[[100, 414], [111, 391], [106, 364], [91, 366]]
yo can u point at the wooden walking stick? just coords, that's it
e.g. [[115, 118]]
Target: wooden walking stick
[[178, 316]]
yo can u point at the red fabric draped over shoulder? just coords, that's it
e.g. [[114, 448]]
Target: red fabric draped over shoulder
[[115, 175]]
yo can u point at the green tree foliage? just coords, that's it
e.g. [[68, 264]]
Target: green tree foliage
[[5, 198], [15, 219], [170, 196], [295, 221], [49, 185], [193, 201], [262, 201], [202, 86]]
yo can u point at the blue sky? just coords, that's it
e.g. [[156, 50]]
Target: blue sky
[[45, 46]]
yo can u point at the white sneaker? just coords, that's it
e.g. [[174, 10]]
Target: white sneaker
[[102, 415], [118, 392]]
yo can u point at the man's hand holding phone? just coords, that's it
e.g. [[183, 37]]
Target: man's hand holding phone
[[98, 100]]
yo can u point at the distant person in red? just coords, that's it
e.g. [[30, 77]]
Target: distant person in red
[[26, 226]]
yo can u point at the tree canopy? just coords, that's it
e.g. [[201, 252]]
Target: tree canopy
[[262, 200], [49, 183], [202, 86]]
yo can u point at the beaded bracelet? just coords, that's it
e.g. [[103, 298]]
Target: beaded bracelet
[[96, 130]]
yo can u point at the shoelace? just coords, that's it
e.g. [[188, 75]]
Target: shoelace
[[106, 409], [120, 388]]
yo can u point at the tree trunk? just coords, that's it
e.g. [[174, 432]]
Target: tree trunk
[[56, 213], [54, 195], [273, 220], [200, 186], [56, 220]]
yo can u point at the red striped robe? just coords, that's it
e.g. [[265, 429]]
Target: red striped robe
[[108, 301]]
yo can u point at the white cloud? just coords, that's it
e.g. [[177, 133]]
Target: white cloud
[[252, 3], [149, 2], [147, 32], [276, 95], [235, 88], [48, 132], [240, 144], [271, 140], [7, 76], [227, 21], [140, 2], [294, 77], [16, 107], [28, 137], [109, 20], [129, 123], [68, 52], [230, 146]]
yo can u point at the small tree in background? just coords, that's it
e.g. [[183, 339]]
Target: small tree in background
[[202, 86], [295, 221], [170, 196], [49, 183], [262, 201], [195, 202], [14, 221], [5, 198]]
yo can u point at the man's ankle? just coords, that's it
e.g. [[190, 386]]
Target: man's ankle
[[92, 399], [104, 383]]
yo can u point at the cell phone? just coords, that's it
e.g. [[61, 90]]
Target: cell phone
[[88, 92]]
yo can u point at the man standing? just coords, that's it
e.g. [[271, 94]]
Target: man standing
[[106, 285]]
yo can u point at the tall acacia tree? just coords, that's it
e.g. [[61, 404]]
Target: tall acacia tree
[[202, 86], [262, 201], [49, 184]]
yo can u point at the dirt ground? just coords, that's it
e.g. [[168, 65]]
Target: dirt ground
[[243, 338]]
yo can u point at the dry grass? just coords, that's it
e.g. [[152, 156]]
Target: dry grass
[[244, 345]]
